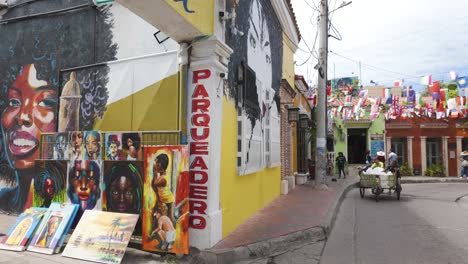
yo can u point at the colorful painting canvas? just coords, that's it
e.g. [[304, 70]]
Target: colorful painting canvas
[[92, 145], [50, 234], [165, 199], [47, 145], [101, 236], [131, 146], [23, 229], [123, 186], [84, 184], [61, 146], [50, 177], [113, 146], [76, 145]]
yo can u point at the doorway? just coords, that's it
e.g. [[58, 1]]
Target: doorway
[[357, 145]]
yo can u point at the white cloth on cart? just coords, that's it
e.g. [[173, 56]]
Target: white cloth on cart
[[382, 175]]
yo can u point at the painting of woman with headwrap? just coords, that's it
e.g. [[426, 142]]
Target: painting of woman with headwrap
[[49, 182], [32, 55]]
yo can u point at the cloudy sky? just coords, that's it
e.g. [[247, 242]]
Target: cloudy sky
[[397, 39]]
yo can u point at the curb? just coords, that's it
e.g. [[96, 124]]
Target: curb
[[331, 215], [278, 245], [440, 180]]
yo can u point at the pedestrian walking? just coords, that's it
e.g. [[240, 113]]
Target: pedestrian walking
[[368, 158], [464, 164], [340, 163]]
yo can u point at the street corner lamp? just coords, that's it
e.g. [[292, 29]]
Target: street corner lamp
[[293, 114]]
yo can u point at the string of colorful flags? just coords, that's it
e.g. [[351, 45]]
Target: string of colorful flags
[[351, 104]]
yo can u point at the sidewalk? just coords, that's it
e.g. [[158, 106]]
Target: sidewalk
[[304, 215]]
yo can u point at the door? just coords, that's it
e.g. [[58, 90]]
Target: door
[[357, 145]]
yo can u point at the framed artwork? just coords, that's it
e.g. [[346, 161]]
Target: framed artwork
[[47, 145], [92, 145], [84, 185], [50, 178], [76, 145], [51, 233], [61, 146], [165, 199], [21, 232], [113, 146], [101, 236], [131, 146]]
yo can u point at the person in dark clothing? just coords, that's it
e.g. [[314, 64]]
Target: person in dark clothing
[[340, 163], [368, 158]]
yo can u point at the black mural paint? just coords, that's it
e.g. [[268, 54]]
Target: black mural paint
[[50, 43], [240, 45]]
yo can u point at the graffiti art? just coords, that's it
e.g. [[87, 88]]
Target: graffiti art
[[49, 182], [33, 53], [166, 206]]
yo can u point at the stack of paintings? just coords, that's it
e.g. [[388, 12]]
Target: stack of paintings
[[21, 232], [53, 228]]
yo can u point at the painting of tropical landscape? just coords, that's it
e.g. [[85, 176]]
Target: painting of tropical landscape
[[101, 236]]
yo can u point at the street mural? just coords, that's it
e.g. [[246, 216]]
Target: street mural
[[31, 56], [64, 73], [166, 205], [50, 178], [185, 3], [258, 59]]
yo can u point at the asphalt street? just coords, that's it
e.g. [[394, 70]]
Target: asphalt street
[[428, 225]]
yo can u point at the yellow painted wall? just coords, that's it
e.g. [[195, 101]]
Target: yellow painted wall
[[153, 108], [203, 16], [241, 196], [288, 61]]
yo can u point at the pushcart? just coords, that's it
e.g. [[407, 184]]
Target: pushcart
[[379, 183]]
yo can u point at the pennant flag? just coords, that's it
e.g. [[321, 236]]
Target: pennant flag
[[378, 100], [310, 93], [387, 96], [374, 113], [443, 95], [363, 93], [397, 83], [453, 76], [463, 92], [427, 80], [434, 87], [462, 82], [436, 96]]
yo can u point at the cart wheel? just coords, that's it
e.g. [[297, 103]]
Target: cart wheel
[[362, 191], [376, 197]]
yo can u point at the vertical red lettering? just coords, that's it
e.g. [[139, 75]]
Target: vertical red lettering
[[200, 75], [198, 192], [203, 136], [200, 91], [197, 222], [198, 148], [198, 177], [197, 206], [200, 104]]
